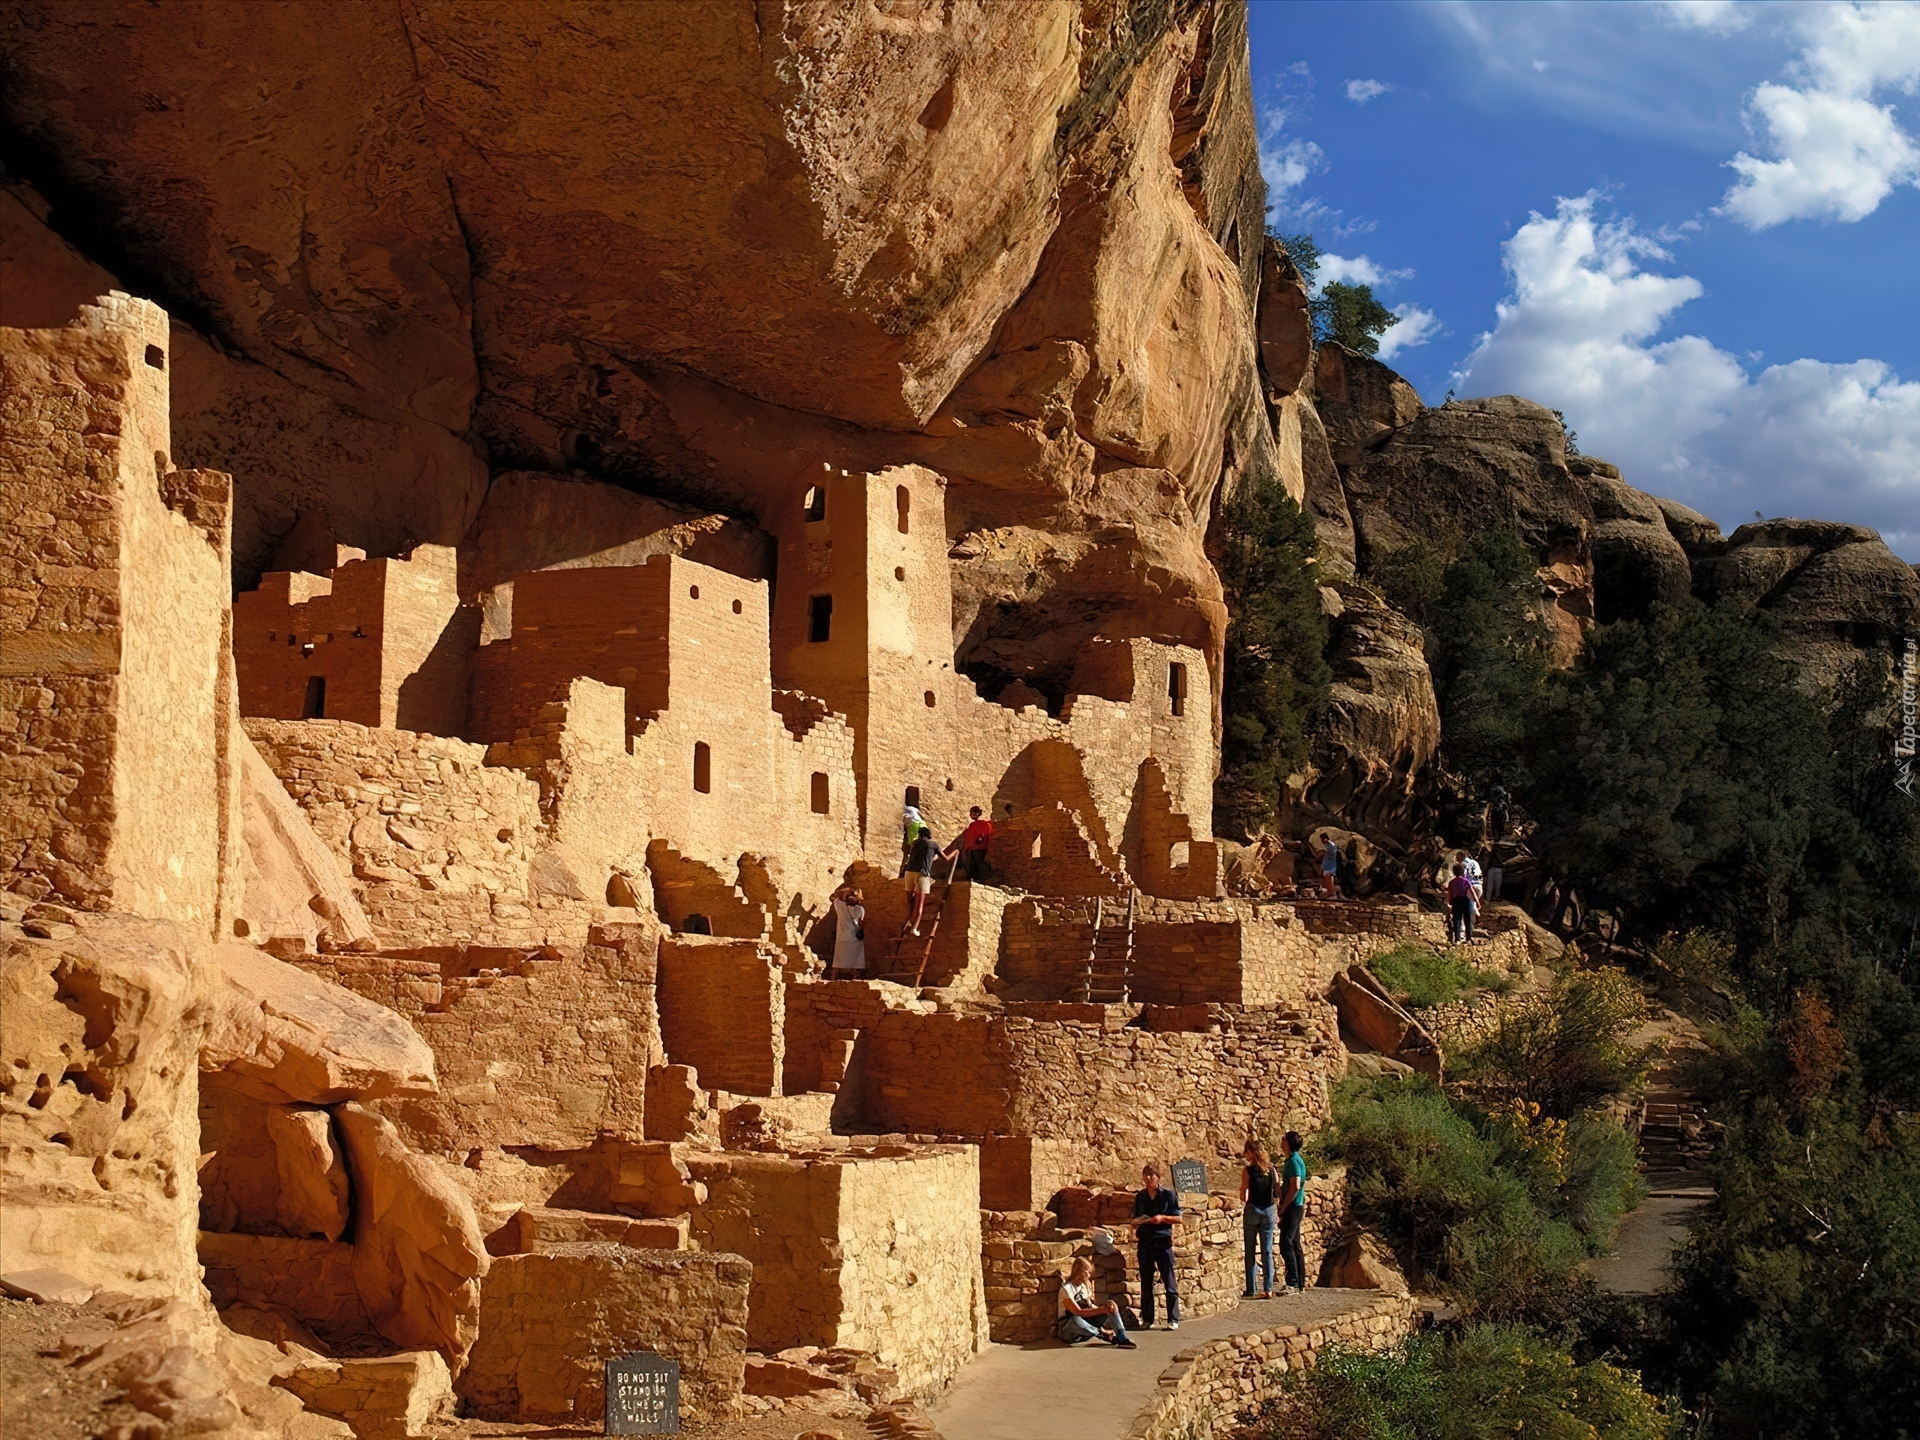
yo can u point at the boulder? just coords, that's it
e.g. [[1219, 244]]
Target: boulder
[[1637, 561], [1363, 1263], [313, 1195], [388, 1397], [551, 1322], [1284, 325], [1697, 535], [98, 1133], [1836, 591], [283, 1035], [418, 1255]]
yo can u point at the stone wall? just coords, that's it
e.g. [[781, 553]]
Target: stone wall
[[312, 1280], [540, 1049], [550, 1322], [723, 1011], [118, 787], [445, 848], [1209, 1385], [869, 1249], [1192, 1080]]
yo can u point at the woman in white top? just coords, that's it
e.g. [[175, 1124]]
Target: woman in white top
[[1079, 1319], [850, 940]]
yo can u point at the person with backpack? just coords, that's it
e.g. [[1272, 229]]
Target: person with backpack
[[919, 877], [1460, 904], [1293, 1209], [1258, 1183]]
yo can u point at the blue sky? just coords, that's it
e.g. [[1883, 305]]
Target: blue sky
[[1694, 228]]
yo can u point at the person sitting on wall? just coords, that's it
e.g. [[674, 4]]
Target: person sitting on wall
[[1077, 1319], [850, 938], [972, 845], [1156, 1211], [1293, 1209], [920, 857]]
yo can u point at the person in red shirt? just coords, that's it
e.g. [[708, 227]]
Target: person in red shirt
[[972, 846]]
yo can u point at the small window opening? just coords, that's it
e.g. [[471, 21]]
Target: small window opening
[[949, 782], [703, 767], [820, 796], [816, 503], [1034, 852], [315, 705], [156, 357], [693, 592], [1177, 687], [736, 607], [819, 619], [913, 796], [696, 925], [929, 699], [899, 572], [904, 503]]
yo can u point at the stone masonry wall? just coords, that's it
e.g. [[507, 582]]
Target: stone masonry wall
[[534, 1048], [875, 1249], [1195, 1081], [445, 849], [723, 1011], [1209, 1385]]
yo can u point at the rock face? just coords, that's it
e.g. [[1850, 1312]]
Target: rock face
[[1383, 723], [1019, 244], [1638, 561], [1836, 591], [418, 1255]]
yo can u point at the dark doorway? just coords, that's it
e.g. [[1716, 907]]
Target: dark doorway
[[315, 705]]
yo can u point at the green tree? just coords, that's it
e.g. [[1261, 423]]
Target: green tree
[[1487, 649], [1276, 671], [1344, 314]]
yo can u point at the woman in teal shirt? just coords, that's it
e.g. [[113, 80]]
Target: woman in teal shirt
[[1293, 1208]]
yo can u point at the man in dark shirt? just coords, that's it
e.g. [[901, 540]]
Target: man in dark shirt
[[1156, 1210]]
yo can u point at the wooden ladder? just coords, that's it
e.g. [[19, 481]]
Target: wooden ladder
[[907, 961], [1108, 976]]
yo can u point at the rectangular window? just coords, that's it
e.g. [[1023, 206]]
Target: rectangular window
[[703, 767], [903, 502], [1177, 687], [315, 706], [819, 792], [815, 504], [819, 619]]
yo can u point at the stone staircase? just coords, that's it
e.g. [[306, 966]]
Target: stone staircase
[[1675, 1134]]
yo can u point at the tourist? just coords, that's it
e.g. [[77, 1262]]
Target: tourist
[[1472, 867], [919, 876], [1460, 905], [1293, 1209], [1329, 865], [912, 822], [850, 939], [1258, 1181], [1156, 1211], [1078, 1319], [972, 846], [1497, 814], [1491, 869]]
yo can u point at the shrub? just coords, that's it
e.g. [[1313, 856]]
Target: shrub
[[1566, 1052], [1425, 975], [1488, 1380], [1498, 1209]]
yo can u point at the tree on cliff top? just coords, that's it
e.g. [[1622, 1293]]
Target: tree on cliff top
[[1276, 671], [1341, 313]]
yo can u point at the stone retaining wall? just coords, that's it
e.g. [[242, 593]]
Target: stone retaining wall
[[1207, 1386]]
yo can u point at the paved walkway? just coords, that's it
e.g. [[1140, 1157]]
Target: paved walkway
[[1046, 1391], [1640, 1260]]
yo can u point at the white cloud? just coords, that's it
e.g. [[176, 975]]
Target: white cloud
[[1285, 160], [1361, 91], [1681, 416], [1416, 327], [1358, 270], [1836, 152], [1720, 16]]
